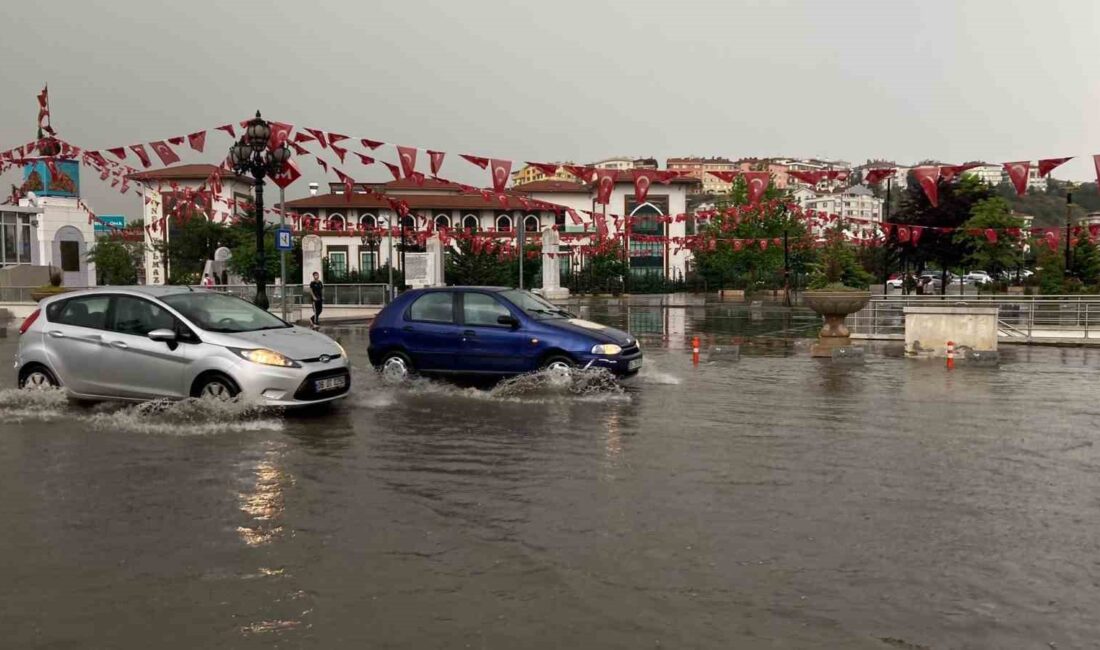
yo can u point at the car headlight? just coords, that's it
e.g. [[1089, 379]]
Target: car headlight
[[606, 349], [343, 352], [267, 358]]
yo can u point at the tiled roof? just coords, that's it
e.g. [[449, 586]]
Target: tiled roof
[[548, 185], [197, 172], [414, 201]]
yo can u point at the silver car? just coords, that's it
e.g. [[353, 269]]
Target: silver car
[[140, 343]]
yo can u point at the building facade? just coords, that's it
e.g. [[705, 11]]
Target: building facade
[[697, 168], [165, 193]]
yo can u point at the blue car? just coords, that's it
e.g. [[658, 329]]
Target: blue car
[[491, 331]]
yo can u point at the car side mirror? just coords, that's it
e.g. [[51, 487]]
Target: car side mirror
[[509, 320], [163, 335]]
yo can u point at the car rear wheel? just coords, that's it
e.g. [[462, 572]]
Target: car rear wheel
[[395, 367], [216, 387], [37, 378]]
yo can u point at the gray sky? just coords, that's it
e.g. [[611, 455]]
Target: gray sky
[[998, 80]]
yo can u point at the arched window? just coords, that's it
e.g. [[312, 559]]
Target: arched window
[[368, 221], [408, 223], [470, 222], [531, 223], [309, 222], [504, 223], [442, 221], [334, 222]]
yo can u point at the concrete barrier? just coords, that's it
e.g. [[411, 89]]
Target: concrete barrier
[[928, 329]]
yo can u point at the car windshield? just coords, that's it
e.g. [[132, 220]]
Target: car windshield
[[216, 312], [534, 305]]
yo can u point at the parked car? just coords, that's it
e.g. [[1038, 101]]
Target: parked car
[[895, 282], [140, 343], [977, 277], [491, 331]]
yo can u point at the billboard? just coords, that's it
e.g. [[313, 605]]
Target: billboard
[[108, 222], [37, 178]]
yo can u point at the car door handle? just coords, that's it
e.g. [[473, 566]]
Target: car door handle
[[407, 328], [57, 334], [469, 333], [119, 344]]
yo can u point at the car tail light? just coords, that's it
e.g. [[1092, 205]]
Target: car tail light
[[29, 321]]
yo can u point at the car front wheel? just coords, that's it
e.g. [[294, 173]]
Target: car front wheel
[[216, 387], [558, 364]]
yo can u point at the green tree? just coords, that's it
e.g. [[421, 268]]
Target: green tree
[[837, 265], [956, 200], [116, 260], [480, 262], [191, 242], [993, 256], [1084, 262], [724, 262]]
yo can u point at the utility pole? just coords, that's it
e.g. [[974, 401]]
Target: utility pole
[[886, 244], [1069, 207], [282, 254], [521, 238]]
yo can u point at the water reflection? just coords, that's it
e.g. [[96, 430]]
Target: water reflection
[[265, 501]]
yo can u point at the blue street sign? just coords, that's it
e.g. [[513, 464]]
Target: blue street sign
[[106, 223], [284, 241]]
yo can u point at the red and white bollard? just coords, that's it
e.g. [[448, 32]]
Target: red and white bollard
[[695, 350], [950, 355]]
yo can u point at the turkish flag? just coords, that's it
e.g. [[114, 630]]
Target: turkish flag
[[903, 234], [322, 164], [280, 134], [477, 160], [118, 152], [584, 174], [725, 177], [1051, 238], [601, 223], [164, 152], [228, 128], [140, 151], [364, 158], [550, 169], [287, 175], [1047, 165], [574, 217], [333, 138], [927, 177], [914, 236], [339, 151], [1017, 172], [197, 140], [879, 174], [371, 144], [319, 136], [303, 137], [836, 174], [178, 140], [757, 183], [394, 169], [949, 172], [500, 169], [665, 176], [738, 244], [991, 235], [605, 182], [643, 178], [810, 178], [1096, 164], [407, 156], [436, 158]]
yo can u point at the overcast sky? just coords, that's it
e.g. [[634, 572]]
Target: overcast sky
[[998, 80]]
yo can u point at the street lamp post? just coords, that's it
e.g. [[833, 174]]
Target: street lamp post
[[254, 156], [1069, 211]]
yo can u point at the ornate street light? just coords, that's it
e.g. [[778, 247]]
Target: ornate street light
[[253, 156]]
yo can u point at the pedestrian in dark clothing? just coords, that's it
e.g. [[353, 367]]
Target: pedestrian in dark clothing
[[317, 293]]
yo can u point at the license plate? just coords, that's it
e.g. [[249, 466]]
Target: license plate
[[634, 364], [321, 385]]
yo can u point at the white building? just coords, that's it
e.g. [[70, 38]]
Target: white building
[[330, 216], [990, 174], [164, 194], [49, 228], [856, 204]]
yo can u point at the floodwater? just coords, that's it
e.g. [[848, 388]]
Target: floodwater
[[770, 501]]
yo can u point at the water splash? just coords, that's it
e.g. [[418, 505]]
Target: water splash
[[18, 405], [188, 417], [569, 383], [651, 375]]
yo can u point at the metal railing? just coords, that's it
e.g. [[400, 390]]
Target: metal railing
[[1019, 317], [367, 295]]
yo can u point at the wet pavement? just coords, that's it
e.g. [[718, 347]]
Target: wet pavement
[[774, 501]]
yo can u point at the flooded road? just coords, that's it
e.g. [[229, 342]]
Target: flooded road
[[773, 501]]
